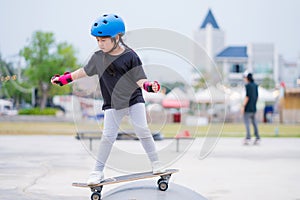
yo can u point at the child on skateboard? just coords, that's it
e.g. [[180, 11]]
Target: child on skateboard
[[121, 79]]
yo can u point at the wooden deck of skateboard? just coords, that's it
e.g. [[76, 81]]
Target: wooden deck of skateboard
[[126, 178]]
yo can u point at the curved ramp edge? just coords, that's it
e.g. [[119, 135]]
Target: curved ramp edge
[[148, 190]]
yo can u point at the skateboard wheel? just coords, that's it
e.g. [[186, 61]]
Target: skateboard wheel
[[163, 186], [96, 196], [160, 180]]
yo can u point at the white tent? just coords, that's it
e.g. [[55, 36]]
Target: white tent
[[211, 95], [264, 95], [239, 93], [176, 99]]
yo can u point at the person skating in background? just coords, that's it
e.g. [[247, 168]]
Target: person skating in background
[[121, 78]]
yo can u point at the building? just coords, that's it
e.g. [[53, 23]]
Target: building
[[231, 61], [211, 38], [262, 59], [289, 72], [259, 59]]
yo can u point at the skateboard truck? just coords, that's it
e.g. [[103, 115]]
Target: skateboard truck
[[163, 182], [96, 195]]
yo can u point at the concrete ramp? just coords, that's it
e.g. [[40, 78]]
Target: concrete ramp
[[147, 190]]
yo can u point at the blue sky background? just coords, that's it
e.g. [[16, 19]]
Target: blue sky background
[[243, 21]]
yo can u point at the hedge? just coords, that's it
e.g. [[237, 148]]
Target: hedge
[[38, 111]]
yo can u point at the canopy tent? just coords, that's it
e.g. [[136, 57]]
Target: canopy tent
[[176, 99], [264, 95], [211, 95]]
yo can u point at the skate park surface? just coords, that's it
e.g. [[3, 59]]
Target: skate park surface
[[44, 167]]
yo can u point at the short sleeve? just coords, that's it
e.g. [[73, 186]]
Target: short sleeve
[[137, 71], [247, 90], [90, 68]]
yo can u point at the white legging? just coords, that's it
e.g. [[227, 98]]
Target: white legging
[[112, 120]]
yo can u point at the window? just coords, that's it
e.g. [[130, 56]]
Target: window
[[237, 68], [263, 68]]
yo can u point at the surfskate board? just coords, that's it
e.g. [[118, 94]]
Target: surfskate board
[[163, 181]]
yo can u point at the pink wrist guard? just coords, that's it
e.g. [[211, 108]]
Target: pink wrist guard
[[64, 79]]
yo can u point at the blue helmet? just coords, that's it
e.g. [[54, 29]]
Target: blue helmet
[[108, 25]]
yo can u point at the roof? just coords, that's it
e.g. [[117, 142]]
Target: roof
[[234, 52], [210, 19]]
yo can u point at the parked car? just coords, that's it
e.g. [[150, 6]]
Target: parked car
[[7, 108]]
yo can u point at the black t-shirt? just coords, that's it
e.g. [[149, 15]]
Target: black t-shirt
[[117, 77], [252, 94]]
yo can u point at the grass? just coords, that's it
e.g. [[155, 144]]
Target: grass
[[234, 130], [169, 130]]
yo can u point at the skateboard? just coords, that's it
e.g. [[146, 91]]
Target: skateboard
[[162, 181]]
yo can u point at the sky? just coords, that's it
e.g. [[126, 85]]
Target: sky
[[243, 21]]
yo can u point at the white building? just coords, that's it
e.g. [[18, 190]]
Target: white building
[[289, 72], [259, 58], [211, 38]]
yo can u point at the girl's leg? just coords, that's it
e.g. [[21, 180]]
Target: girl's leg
[[137, 114], [112, 120]]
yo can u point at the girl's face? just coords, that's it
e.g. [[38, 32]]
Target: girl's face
[[105, 43]]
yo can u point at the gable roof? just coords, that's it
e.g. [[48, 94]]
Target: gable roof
[[234, 52], [210, 19]]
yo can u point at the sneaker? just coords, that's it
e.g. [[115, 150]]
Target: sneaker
[[95, 177], [157, 168], [256, 142], [247, 141]]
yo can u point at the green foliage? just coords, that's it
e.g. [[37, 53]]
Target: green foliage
[[171, 86], [45, 58], [201, 83], [268, 83], [38, 111], [11, 87], [15, 90]]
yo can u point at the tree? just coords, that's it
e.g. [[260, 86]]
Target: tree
[[5, 75], [10, 86], [45, 58], [268, 83]]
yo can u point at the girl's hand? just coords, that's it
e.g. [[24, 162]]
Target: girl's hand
[[151, 86], [62, 80], [155, 86], [54, 79]]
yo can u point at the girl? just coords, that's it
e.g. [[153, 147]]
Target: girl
[[121, 78]]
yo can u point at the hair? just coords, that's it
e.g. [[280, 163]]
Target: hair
[[250, 77], [122, 42]]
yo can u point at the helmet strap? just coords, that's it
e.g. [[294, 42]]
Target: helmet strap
[[116, 44]]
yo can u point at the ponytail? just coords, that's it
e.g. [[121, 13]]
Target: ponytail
[[122, 42]]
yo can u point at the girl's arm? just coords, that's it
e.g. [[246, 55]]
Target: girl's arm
[[68, 77], [79, 73]]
